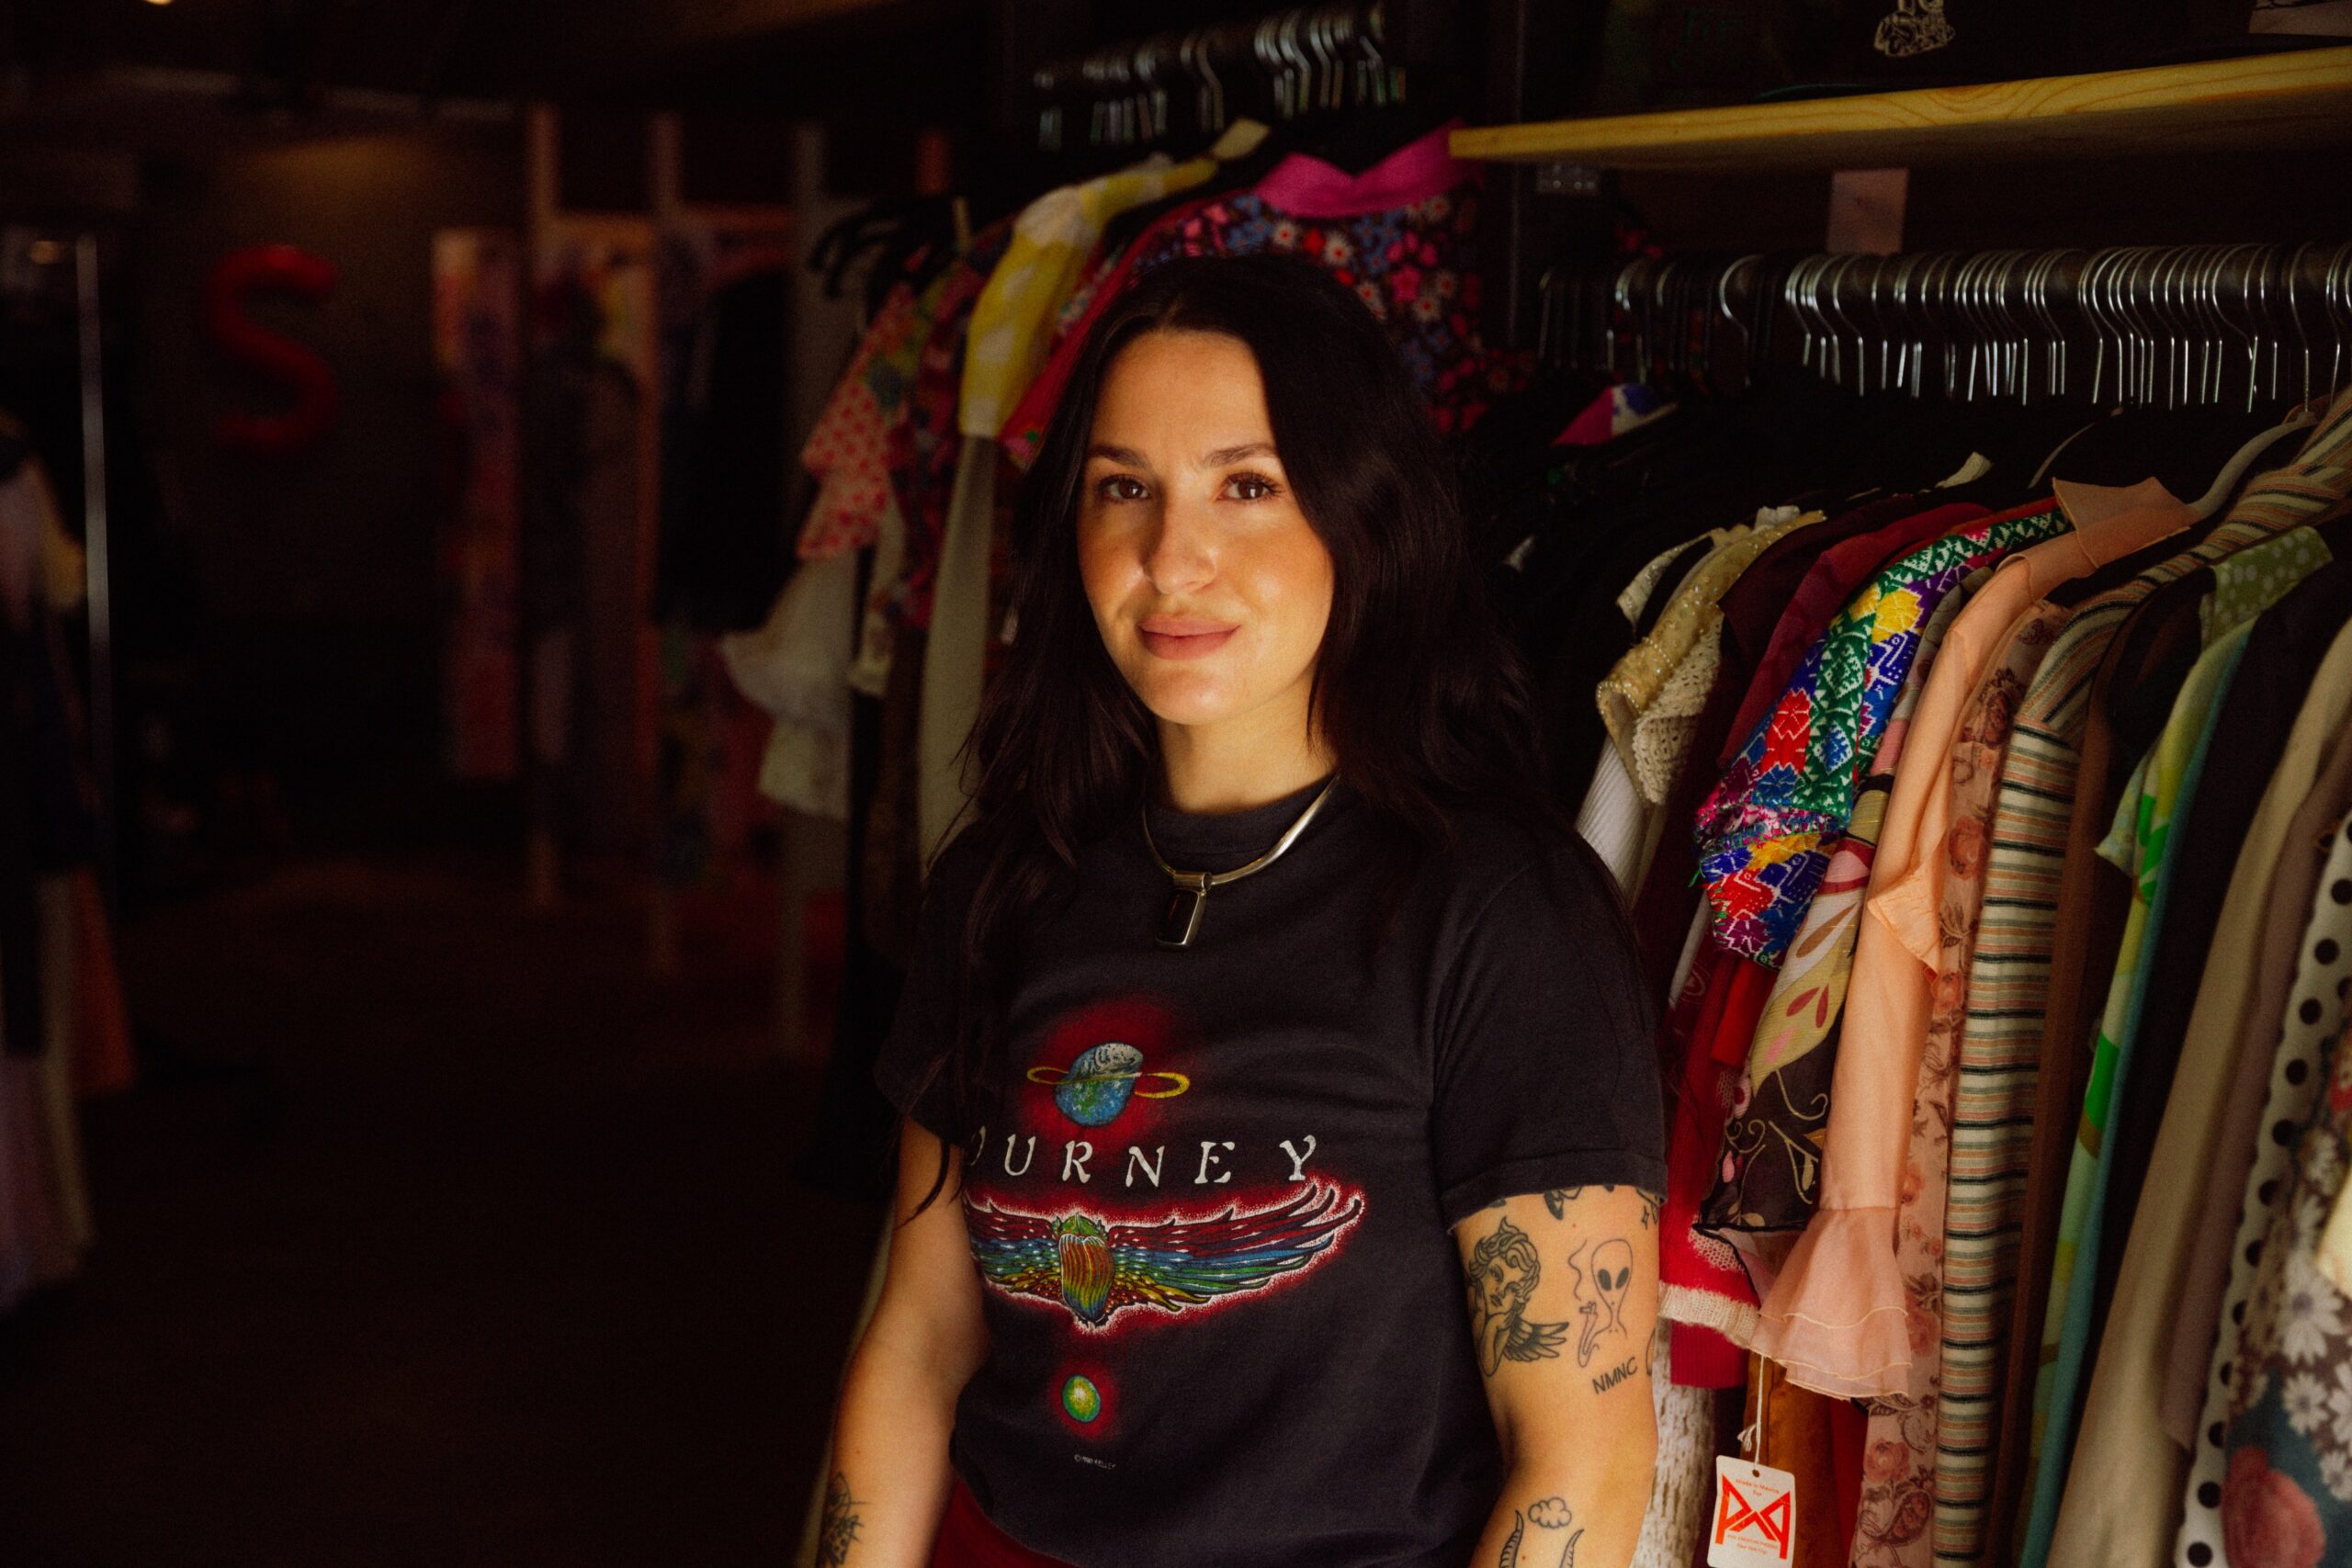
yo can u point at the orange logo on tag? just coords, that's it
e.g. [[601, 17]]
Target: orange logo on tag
[[1735, 1513]]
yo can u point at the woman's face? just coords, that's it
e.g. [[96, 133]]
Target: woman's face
[[1210, 588]]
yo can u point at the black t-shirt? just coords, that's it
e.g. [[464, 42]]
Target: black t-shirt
[[1226, 1318]]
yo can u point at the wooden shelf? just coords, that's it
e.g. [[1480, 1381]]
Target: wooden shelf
[[2297, 98]]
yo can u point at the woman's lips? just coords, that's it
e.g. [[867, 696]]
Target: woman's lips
[[1173, 636]]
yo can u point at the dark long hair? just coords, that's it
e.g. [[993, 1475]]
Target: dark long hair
[[1423, 702]]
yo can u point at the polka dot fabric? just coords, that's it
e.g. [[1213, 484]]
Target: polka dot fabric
[[2314, 1018], [848, 450]]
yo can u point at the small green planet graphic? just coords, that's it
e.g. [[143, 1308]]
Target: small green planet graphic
[[1094, 1089], [1081, 1399]]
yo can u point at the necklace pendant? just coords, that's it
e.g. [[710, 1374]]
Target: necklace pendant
[[1182, 923]]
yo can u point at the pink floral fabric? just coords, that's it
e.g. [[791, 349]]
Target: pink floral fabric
[[848, 449], [1408, 247]]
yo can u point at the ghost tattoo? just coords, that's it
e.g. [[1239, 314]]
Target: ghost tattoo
[[1604, 1272]]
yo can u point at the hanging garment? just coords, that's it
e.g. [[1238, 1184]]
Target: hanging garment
[[1715, 1274], [1769, 1170], [1818, 1441], [2241, 1123], [869, 669], [1762, 832], [2124, 1444], [848, 449], [2023, 873], [2164, 1132], [1403, 235], [1793, 1339], [1834, 579], [1985, 1120], [1871, 1258], [795, 669], [955, 648], [1617, 819], [1682, 1485], [2287, 1493], [2309, 1020], [1052, 238], [926, 444], [2139, 844], [2282, 650], [1694, 615], [1668, 763], [1703, 1286]]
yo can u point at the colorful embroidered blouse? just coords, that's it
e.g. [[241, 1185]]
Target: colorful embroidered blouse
[[1764, 834]]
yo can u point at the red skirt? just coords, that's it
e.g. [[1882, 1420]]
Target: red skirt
[[968, 1539]]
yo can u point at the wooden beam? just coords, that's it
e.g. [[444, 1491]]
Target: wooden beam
[[2297, 98]]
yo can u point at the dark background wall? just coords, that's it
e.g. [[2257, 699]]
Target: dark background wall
[[313, 572]]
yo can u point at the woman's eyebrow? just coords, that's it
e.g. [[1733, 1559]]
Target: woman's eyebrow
[[1217, 459]]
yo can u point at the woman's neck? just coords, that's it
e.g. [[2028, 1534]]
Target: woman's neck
[[1232, 766]]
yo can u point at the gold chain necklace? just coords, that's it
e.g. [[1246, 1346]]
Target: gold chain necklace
[[1182, 923]]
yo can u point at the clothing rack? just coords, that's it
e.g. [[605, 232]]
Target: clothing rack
[[2176, 325], [58, 271], [1284, 65]]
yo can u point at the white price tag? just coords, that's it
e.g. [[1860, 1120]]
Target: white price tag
[[1756, 1516]]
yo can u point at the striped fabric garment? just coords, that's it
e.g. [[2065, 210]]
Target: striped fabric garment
[[2009, 977], [1990, 1137]]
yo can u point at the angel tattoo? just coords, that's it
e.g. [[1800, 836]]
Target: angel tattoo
[[1503, 1274]]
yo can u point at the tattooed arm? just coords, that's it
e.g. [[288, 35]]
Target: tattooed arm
[[890, 1479], [1562, 1292]]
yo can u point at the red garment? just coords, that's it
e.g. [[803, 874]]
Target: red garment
[[1702, 1275], [968, 1539], [1024, 430]]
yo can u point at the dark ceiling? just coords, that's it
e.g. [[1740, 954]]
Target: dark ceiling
[[88, 67]]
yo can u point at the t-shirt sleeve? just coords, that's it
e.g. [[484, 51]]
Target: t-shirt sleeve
[[921, 1027], [1546, 1073]]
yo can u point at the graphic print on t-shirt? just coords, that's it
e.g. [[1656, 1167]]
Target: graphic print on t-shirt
[[1098, 1268], [1102, 1199]]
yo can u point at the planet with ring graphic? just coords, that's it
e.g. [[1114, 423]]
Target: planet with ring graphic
[[1081, 1401], [1095, 1088]]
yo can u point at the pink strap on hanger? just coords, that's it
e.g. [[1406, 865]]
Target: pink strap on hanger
[[1305, 187]]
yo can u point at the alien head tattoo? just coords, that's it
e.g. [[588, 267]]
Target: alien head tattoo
[[1502, 1273], [1604, 1272]]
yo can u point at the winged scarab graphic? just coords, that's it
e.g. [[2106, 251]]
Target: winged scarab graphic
[[1097, 1269]]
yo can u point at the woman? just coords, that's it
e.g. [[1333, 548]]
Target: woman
[[1172, 1281]]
